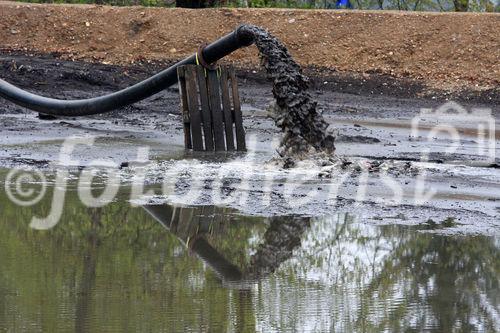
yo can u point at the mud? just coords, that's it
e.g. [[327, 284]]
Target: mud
[[295, 112], [373, 133]]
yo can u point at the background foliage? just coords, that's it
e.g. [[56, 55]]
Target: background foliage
[[408, 5]]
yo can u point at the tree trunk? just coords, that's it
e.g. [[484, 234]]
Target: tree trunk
[[191, 3], [461, 5]]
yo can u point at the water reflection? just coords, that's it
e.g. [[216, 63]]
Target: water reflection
[[194, 227], [88, 276], [165, 268]]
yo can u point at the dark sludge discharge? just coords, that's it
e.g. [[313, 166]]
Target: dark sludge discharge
[[295, 113]]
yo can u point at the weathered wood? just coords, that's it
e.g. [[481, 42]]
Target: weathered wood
[[211, 109], [194, 110], [205, 109], [238, 117], [226, 107], [216, 110], [184, 108]]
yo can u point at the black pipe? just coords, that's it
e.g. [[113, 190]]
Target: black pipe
[[221, 266], [211, 53]]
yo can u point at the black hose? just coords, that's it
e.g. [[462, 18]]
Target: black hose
[[211, 53]]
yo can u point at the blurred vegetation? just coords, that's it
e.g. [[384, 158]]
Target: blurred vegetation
[[146, 3], [407, 5]]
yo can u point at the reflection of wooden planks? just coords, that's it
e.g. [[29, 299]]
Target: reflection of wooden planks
[[211, 109]]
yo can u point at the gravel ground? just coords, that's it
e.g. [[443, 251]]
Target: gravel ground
[[446, 51]]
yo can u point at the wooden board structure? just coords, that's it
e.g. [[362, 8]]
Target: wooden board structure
[[211, 109]]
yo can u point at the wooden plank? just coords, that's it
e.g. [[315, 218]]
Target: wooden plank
[[238, 117], [184, 107], [226, 107], [194, 110], [215, 108], [205, 109]]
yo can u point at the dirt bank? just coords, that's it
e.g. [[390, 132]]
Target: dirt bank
[[445, 50]]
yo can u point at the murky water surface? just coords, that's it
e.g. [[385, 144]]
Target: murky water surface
[[173, 269]]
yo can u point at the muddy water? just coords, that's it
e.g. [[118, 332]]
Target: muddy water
[[165, 268], [295, 112]]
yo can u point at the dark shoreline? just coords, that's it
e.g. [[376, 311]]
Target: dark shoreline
[[50, 75]]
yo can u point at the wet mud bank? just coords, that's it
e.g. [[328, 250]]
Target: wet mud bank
[[373, 131], [361, 109]]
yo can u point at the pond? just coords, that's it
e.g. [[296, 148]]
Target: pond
[[166, 268]]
